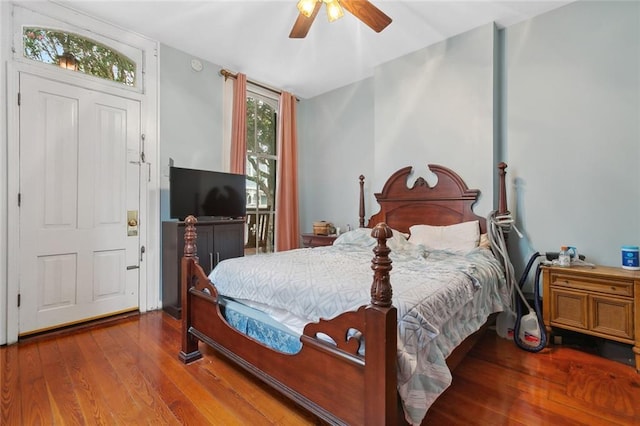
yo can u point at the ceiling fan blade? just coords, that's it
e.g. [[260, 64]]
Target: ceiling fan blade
[[302, 24], [367, 13]]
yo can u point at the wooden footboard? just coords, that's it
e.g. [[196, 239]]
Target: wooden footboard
[[333, 381]]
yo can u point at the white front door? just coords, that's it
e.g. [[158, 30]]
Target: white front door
[[79, 193]]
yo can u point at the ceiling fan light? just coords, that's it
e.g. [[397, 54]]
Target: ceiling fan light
[[334, 11], [306, 7]]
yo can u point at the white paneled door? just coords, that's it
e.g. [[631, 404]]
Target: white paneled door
[[79, 198]]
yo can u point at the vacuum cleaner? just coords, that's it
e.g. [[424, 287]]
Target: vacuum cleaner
[[526, 329]]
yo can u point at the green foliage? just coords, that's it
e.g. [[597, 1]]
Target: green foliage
[[46, 46], [261, 146], [261, 127]]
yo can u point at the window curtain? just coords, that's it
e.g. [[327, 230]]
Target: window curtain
[[238, 162], [227, 116], [287, 224]]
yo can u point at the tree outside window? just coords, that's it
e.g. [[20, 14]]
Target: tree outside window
[[261, 171], [51, 47]]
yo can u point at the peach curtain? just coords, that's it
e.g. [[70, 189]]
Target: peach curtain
[[287, 223], [238, 162]]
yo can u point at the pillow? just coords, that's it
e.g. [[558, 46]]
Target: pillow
[[458, 238], [356, 237], [398, 242], [362, 237]]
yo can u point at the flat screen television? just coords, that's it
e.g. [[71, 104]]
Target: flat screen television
[[204, 193]]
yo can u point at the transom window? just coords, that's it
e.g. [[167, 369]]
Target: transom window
[[78, 53]]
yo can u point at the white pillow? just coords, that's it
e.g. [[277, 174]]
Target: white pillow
[[458, 238], [362, 237]]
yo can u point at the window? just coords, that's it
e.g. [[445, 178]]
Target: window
[[77, 53], [261, 171]]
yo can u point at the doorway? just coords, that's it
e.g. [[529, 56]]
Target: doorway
[[79, 245]]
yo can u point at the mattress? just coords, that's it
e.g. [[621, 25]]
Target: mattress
[[441, 298], [260, 326]]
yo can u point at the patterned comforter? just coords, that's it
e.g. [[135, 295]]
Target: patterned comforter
[[441, 298]]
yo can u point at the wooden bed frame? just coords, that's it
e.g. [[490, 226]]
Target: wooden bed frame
[[334, 381]]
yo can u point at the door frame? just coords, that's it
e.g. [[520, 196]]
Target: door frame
[[149, 216]]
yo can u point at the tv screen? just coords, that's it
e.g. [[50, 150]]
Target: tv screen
[[205, 193]]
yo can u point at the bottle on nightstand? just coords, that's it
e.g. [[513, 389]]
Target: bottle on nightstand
[[564, 258]]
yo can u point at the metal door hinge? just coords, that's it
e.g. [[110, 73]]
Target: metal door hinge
[[19, 98], [19, 300], [19, 199], [142, 156], [142, 250]]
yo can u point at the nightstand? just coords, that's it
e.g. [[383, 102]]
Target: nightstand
[[601, 301], [312, 240]]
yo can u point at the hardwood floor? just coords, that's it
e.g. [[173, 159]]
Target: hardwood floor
[[127, 372]]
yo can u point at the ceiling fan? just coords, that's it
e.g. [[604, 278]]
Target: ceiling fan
[[361, 9]]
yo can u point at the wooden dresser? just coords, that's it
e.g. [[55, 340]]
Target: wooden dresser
[[217, 240], [601, 301], [312, 240]]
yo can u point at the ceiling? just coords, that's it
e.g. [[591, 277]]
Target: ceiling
[[253, 36]]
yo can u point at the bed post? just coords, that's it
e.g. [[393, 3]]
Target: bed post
[[189, 350], [361, 201], [381, 334], [502, 189]]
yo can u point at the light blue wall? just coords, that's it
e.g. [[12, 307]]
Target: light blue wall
[[336, 136], [435, 106], [573, 129], [190, 117]]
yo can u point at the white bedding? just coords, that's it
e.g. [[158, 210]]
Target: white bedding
[[441, 298]]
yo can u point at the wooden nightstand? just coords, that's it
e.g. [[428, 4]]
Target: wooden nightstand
[[601, 301], [312, 240]]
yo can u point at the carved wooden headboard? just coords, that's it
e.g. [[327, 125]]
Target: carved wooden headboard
[[449, 202]]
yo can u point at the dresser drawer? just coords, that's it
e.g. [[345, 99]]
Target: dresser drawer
[[569, 308], [612, 286], [612, 316]]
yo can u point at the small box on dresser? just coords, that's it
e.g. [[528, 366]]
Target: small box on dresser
[[602, 301]]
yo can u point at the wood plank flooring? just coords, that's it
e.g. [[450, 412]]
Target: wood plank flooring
[[127, 373]]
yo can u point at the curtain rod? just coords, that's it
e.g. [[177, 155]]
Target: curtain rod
[[228, 74]]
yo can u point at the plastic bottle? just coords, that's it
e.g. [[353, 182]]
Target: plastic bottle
[[530, 330], [505, 324], [564, 258]]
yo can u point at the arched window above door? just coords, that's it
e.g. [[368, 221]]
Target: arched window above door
[[78, 53]]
